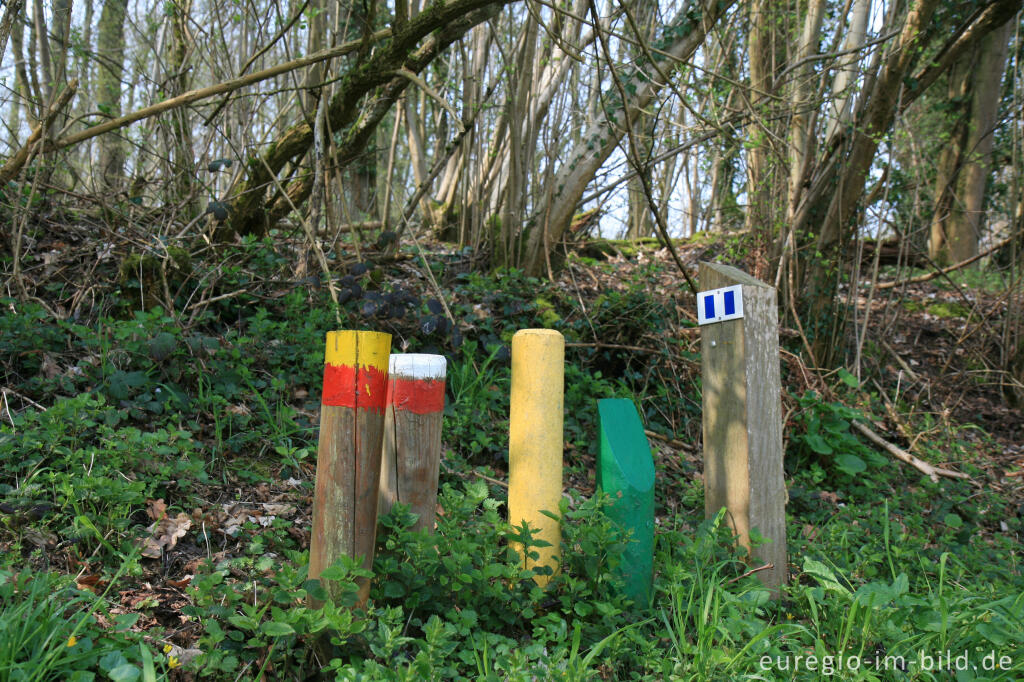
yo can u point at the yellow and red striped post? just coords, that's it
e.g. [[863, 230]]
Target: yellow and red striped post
[[348, 457], [535, 440], [412, 435]]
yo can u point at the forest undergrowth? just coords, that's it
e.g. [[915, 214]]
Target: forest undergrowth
[[158, 432]]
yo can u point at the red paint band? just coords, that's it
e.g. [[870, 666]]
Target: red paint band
[[422, 396], [344, 386]]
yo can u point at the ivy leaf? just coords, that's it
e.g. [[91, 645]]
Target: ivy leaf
[[162, 345], [218, 209], [121, 383]]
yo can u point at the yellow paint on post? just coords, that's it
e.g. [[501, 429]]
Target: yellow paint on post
[[371, 348], [535, 439]]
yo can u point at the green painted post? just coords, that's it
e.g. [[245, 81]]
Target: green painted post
[[625, 470]]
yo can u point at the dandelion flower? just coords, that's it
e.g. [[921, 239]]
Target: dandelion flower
[[173, 662], [72, 640]]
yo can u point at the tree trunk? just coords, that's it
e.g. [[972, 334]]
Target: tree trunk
[[109, 74], [21, 87], [179, 131], [10, 18], [964, 168], [760, 217]]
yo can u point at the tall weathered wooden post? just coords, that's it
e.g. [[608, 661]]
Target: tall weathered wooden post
[[743, 412], [348, 456]]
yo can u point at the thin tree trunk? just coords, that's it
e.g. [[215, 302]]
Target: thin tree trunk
[[10, 17], [760, 218], [21, 91], [109, 75], [966, 221]]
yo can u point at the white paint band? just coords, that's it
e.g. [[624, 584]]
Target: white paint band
[[418, 365]]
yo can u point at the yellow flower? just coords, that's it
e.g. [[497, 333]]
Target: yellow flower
[[173, 662], [72, 640], [168, 648]]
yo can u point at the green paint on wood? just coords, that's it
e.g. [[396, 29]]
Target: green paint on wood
[[625, 470]]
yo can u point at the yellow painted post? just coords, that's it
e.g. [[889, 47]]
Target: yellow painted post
[[348, 456], [535, 440]]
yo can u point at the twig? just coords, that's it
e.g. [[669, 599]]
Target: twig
[[670, 441], [207, 301], [902, 363], [925, 468], [7, 407], [429, 91], [25, 398], [619, 346], [749, 573], [241, 72]]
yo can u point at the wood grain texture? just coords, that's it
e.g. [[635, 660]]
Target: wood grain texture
[[412, 436], [742, 420], [348, 458]]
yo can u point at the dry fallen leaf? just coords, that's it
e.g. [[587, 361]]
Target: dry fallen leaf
[[156, 509], [164, 535], [180, 584], [92, 583], [42, 539]]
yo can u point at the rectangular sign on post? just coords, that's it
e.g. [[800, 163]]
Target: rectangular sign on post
[[719, 305]]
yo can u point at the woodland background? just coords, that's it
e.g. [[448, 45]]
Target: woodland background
[[508, 127], [193, 191]]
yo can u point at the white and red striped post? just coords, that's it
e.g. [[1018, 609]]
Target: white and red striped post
[[412, 435]]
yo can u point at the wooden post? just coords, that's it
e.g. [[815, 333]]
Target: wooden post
[[625, 470], [348, 457], [743, 418], [535, 439], [412, 435]]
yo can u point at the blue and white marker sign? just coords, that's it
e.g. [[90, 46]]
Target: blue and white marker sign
[[719, 305]]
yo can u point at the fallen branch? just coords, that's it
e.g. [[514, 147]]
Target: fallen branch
[[219, 89], [14, 164], [670, 441], [5, 390], [925, 468], [947, 270]]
